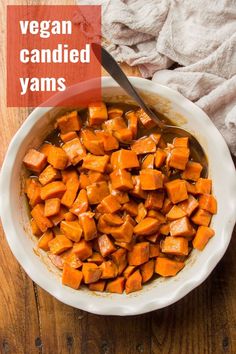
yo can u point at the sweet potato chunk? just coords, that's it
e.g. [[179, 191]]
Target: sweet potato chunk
[[176, 190], [132, 122], [145, 119], [52, 206], [154, 250], [34, 228], [80, 204], [208, 203], [114, 112], [106, 246], [57, 157], [35, 160], [175, 245], [119, 257], [142, 213], [139, 254], [134, 282], [121, 180], [203, 186], [109, 141], [109, 270], [123, 135], [123, 233], [59, 244], [192, 171], [72, 187], [33, 191], [181, 142], [147, 226], [151, 179], [38, 215], [202, 217], [110, 204], [147, 270], [128, 271], [122, 159], [72, 230], [167, 267], [95, 163], [178, 158], [96, 192], [113, 219], [54, 189], [56, 219], [68, 136], [202, 236], [49, 174], [69, 257], [45, 148], [189, 205], [154, 200], [91, 273], [98, 286], [131, 208], [44, 240], [181, 227], [175, 213], [116, 286], [143, 146], [82, 249], [114, 124], [97, 113], [96, 258], [137, 191], [74, 150], [69, 122], [160, 157], [148, 161], [88, 226], [71, 277]]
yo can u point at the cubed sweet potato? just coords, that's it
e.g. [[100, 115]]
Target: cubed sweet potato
[[109, 270], [132, 122], [134, 282], [128, 271], [123, 135], [88, 225], [80, 204], [202, 236], [202, 217], [148, 161], [145, 119], [35, 229], [74, 150], [106, 246], [82, 249], [203, 186], [192, 171], [124, 159], [178, 157], [95, 163], [142, 213], [109, 141], [68, 136], [113, 219], [131, 208], [114, 112], [139, 254], [71, 277], [59, 244], [54, 189], [181, 227], [57, 157], [137, 190], [98, 285], [91, 273], [189, 205], [92, 142], [208, 203], [38, 215], [35, 161], [167, 267], [144, 145], [176, 190], [154, 250], [110, 204], [45, 239], [72, 230], [69, 122], [33, 191], [147, 226], [116, 286], [52, 207], [97, 113], [151, 179], [119, 257], [175, 213], [160, 157], [181, 142], [96, 192], [147, 270], [175, 245], [123, 233], [154, 200], [121, 180], [49, 174]]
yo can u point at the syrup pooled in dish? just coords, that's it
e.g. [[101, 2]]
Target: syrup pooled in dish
[[114, 207]]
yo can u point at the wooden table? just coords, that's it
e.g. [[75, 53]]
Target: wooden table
[[32, 321]]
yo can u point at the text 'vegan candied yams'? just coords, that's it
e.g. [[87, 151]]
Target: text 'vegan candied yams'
[[113, 210]]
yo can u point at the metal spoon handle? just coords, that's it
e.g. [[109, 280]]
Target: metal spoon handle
[[111, 66]]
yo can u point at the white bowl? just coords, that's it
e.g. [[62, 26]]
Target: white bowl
[[161, 292]]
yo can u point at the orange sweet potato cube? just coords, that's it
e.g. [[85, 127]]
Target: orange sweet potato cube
[[59, 244], [116, 286], [72, 230], [145, 119], [54, 189], [97, 113], [131, 208], [114, 124], [80, 204], [151, 179], [57, 157], [203, 186], [181, 142], [176, 190], [139, 254], [68, 136], [42, 221], [189, 205], [132, 122], [160, 157], [35, 160], [91, 273], [143, 146], [181, 227], [175, 213], [92, 142], [45, 148], [124, 159], [208, 203], [110, 204], [114, 112], [167, 267], [202, 236], [175, 245], [71, 277], [74, 150], [123, 135], [119, 257], [106, 246], [88, 225], [147, 270], [49, 174], [98, 285], [109, 270], [202, 217], [69, 122], [179, 157], [109, 141], [147, 226], [134, 282], [82, 249], [96, 192], [154, 200], [72, 187], [33, 191], [34, 228], [123, 233], [121, 180], [96, 163], [44, 240], [148, 161], [137, 191], [192, 171], [52, 206], [154, 250]]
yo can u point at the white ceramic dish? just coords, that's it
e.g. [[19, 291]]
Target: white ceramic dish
[[159, 293]]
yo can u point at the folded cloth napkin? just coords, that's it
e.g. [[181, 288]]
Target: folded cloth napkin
[[200, 36]]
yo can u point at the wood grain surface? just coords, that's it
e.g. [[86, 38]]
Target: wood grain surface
[[32, 321]]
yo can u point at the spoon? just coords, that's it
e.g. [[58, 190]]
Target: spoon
[[111, 66]]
